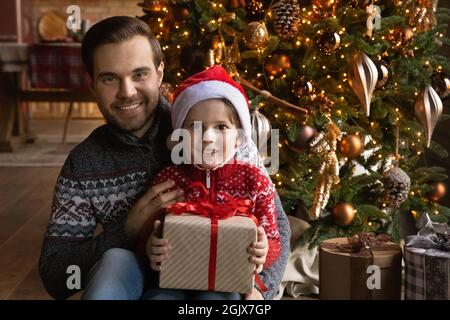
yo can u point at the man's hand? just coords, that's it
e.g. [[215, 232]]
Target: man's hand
[[259, 249], [254, 295], [157, 249], [155, 199]]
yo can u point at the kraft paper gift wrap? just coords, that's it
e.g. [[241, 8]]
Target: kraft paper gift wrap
[[188, 264], [427, 262], [344, 274]]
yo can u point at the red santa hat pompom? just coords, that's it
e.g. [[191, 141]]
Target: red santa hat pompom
[[213, 82]]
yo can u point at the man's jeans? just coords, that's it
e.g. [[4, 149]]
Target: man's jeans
[[119, 275]]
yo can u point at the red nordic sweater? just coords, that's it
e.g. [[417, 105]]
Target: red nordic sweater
[[240, 180]]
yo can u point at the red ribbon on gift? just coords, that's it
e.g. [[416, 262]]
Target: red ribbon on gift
[[206, 206]]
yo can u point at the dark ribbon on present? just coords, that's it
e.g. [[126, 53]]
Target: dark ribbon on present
[[430, 236], [362, 244], [206, 206]]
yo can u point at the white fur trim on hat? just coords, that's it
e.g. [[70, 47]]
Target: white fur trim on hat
[[210, 89]]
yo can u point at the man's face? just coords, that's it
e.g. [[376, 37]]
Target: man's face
[[126, 84]]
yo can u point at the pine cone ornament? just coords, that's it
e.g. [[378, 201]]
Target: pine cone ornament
[[286, 16], [396, 187]]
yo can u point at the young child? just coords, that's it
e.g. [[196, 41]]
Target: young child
[[220, 104]]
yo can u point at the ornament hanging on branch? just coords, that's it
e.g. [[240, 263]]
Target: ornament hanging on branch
[[304, 135], [351, 146], [328, 41], [286, 15], [374, 14], [396, 186], [256, 36], [423, 17], [343, 214], [428, 109], [324, 145], [383, 73], [441, 84], [302, 88], [439, 190], [261, 129], [363, 77]]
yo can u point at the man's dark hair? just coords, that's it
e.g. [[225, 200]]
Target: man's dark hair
[[115, 30]]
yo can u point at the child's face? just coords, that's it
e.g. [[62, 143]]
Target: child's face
[[218, 132]]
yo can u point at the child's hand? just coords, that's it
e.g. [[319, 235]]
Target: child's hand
[[157, 248], [259, 250]]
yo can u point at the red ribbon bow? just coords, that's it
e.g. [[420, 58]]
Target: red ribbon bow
[[206, 206]]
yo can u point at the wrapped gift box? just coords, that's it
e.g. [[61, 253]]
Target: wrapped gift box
[[427, 262], [344, 274], [188, 265]]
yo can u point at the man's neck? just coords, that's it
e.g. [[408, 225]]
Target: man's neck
[[142, 131]]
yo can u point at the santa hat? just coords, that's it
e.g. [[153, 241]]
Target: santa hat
[[211, 83]]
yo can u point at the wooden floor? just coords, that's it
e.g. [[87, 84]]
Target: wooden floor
[[25, 200]]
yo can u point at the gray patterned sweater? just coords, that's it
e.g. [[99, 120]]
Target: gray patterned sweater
[[100, 181]]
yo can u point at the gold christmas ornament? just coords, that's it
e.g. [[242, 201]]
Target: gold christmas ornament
[[363, 77], [428, 109], [441, 84], [277, 63], [383, 73], [302, 88], [438, 192], [351, 146], [328, 41], [423, 17], [343, 214], [261, 129], [256, 35], [324, 144]]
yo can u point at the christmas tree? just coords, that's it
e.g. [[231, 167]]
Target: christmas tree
[[354, 87]]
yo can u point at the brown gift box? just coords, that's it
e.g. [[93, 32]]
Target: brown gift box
[[188, 264], [343, 275]]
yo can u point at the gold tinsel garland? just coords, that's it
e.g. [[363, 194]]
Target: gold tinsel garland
[[325, 145]]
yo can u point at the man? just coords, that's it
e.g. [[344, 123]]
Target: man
[[104, 181]]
